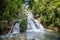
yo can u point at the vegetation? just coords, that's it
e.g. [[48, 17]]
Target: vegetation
[[9, 11], [23, 25], [47, 11]]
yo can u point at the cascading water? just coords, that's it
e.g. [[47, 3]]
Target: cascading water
[[33, 27], [32, 24], [15, 30], [34, 30]]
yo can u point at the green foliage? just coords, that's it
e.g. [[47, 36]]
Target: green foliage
[[23, 24], [47, 10], [9, 11]]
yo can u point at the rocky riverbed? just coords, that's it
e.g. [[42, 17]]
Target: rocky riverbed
[[15, 37], [35, 36]]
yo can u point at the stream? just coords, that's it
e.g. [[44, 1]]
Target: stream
[[34, 31], [35, 36]]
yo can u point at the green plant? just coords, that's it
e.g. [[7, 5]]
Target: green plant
[[23, 24]]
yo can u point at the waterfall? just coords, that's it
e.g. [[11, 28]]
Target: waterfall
[[32, 25], [16, 28]]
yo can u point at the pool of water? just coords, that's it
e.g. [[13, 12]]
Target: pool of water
[[43, 35]]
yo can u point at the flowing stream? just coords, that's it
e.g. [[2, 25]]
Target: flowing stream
[[14, 30], [33, 25], [34, 31]]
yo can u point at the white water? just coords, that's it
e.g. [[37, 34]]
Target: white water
[[32, 25], [16, 29]]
